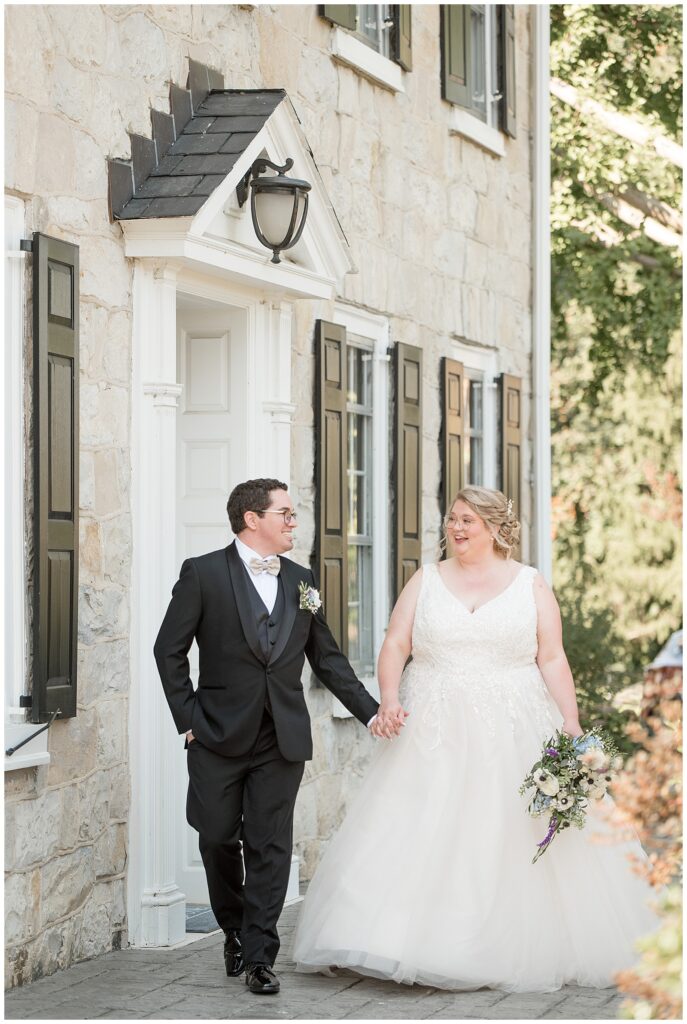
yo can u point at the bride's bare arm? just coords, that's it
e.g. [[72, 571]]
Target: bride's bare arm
[[394, 654], [551, 658]]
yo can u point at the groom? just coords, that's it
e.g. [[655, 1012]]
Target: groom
[[247, 725]]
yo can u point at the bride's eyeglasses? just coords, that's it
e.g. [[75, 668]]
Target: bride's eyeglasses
[[289, 515], [449, 521]]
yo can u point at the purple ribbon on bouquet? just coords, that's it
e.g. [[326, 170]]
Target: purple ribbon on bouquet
[[553, 828], [553, 825]]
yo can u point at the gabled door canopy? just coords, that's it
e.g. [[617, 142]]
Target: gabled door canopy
[[184, 207]]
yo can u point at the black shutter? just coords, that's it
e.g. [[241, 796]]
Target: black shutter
[[452, 432], [455, 53], [403, 36], [340, 14], [507, 81], [407, 476], [331, 480], [56, 478], [511, 438]]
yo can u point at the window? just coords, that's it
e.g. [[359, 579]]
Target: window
[[470, 434], [375, 39], [360, 509], [353, 558], [478, 70]]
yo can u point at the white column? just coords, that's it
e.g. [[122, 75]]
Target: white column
[[542, 298], [273, 407], [157, 907]]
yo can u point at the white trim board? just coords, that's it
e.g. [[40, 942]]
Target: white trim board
[[12, 454]]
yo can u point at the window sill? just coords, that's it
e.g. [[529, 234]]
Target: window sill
[[371, 685], [350, 51], [469, 127], [33, 753]]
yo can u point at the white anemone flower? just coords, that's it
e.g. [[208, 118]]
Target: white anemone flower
[[564, 801], [546, 782], [595, 759]]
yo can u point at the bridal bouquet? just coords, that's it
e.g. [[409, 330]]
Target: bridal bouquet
[[570, 772]]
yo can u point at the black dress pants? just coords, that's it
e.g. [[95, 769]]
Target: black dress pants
[[248, 802]]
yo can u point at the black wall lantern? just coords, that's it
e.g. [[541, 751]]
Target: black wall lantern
[[278, 205]]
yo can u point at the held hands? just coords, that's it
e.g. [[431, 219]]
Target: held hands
[[572, 727], [389, 721]]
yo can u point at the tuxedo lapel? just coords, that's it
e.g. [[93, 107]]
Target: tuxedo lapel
[[290, 578], [241, 583]]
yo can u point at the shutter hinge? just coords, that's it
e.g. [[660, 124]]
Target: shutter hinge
[[26, 700], [25, 245]]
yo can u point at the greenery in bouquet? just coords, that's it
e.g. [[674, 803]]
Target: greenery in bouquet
[[570, 772]]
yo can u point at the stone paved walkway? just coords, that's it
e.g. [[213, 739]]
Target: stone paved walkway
[[189, 983]]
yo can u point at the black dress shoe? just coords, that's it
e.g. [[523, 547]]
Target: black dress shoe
[[261, 979], [233, 954]]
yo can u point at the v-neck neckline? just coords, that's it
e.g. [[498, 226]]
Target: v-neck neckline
[[485, 603]]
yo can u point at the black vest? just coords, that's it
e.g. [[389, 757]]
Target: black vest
[[267, 622]]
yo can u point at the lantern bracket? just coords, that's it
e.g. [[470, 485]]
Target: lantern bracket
[[257, 168]]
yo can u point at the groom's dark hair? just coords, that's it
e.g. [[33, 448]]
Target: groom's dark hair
[[251, 496]]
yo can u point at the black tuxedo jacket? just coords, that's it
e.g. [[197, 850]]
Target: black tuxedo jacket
[[211, 603]]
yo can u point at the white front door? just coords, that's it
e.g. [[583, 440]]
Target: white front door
[[211, 460]]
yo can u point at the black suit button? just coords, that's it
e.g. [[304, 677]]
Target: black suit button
[[273, 642], [271, 624]]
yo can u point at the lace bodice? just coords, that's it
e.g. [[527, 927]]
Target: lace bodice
[[487, 657]]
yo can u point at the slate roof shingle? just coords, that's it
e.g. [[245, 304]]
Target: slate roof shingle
[[193, 148]]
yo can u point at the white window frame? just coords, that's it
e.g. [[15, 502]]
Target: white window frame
[[484, 362], [468, 125], [348, 49], [375, 329], [14, 641]]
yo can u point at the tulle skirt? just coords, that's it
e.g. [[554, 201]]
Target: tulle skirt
[[429, 879]]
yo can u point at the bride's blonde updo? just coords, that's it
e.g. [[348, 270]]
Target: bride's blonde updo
[[497, 512]]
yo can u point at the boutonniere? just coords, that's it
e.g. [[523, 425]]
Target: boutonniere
[[310, 598]]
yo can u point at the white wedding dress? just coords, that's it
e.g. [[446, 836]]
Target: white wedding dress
[[429, 878]]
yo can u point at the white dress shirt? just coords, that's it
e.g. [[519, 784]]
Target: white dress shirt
[[264, 582]]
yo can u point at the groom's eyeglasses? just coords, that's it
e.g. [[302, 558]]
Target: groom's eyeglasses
[[289, 516]]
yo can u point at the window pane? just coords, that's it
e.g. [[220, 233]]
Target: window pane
[[353, 606], [478, 61], [360, 647], [475, 425], [476, 405], [374, 24], [476, 461]]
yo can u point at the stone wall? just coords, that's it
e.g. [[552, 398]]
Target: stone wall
[[441, 233]]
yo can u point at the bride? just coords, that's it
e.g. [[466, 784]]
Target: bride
[[430, 879]]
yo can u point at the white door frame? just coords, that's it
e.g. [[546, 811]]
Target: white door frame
[[156, 905]]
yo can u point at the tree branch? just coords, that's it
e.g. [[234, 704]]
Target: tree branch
[[620, 124]]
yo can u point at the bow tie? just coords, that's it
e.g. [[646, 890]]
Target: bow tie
[[270, 565]]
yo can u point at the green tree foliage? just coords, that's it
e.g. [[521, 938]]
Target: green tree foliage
[[616, 313]]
